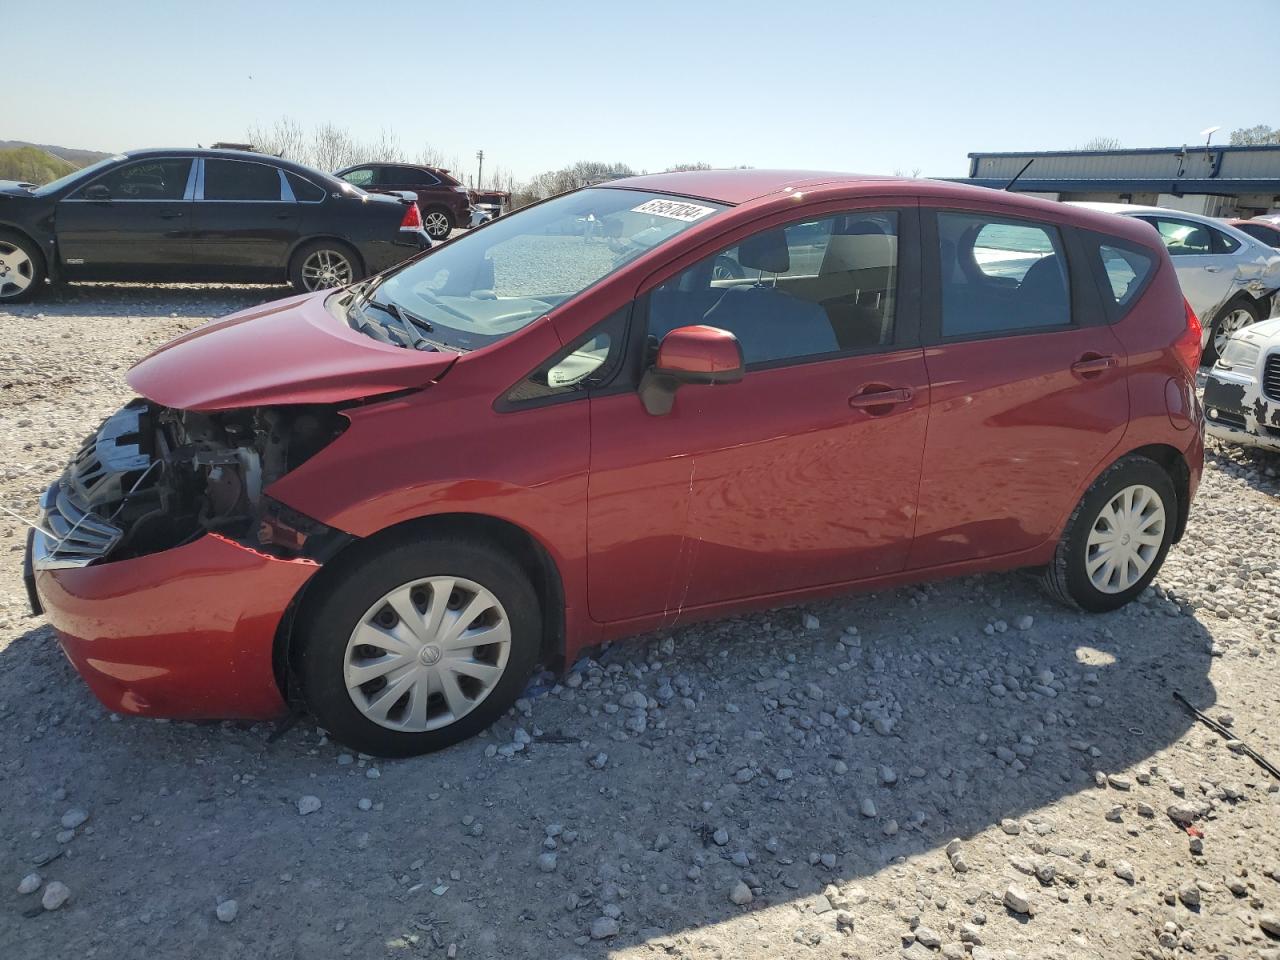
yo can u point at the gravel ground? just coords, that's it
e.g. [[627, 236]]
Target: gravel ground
[[960, 768]]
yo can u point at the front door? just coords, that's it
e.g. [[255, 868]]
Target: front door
[[134, 220], [246, 219], [803, 474], [1027, 382]]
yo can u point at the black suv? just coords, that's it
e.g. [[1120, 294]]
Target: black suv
[[218, 215], [445, 203]]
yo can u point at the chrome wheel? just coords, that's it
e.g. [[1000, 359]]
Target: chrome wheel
[[326, 268], [1125, 539], [427, 653], [1237, 319], [436, 224], [17, 272]]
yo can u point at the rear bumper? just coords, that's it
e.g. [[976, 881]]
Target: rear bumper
[[187, 633]]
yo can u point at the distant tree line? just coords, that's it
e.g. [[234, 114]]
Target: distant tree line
[[32, 165], [1261, 135]]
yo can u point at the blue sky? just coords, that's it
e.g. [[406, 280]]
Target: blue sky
[[860, 86]]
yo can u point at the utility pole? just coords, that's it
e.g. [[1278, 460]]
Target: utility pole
[[480, 170]]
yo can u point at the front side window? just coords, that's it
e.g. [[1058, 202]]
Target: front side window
[[579, 368], [485, 285], [240, 180], [148, 180], [361, 177], [1182, 238], [1000, 275], [821, 286]]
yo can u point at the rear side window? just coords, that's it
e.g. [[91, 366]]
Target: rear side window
[[237, 180], [1126, 270], [360, 178], [1000, 275], [1182, 238], [304, 190], [1223, 243]]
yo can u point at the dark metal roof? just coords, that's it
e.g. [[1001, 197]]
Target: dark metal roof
[[1189, 147], [1224, 186]]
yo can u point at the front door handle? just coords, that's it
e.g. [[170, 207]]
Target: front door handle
[[1092, 364], [886, 397], [172, 215], [1212, 269]]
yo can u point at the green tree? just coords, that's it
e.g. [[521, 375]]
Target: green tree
[[32, 165]]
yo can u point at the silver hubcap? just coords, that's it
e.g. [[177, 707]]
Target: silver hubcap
[[324, 269], [427, 653], [436, 224], [1233, 321], [16, 270], [1125, 539]]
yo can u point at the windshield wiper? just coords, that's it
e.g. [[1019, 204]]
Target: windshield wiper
[[408, 324]]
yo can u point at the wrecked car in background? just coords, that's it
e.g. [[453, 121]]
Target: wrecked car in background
[[387, 503], [1242, 391]]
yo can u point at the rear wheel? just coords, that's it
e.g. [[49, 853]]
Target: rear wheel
[[1117, 537], [420, 647], [438, 222], [323, 264], [1234, 316], [21, 268]]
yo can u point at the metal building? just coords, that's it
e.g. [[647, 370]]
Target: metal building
[[1216, 181]]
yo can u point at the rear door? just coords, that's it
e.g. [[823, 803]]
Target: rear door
[[1207, 275], [795, 477], [1027, 383], [134, 220], [246, 217]]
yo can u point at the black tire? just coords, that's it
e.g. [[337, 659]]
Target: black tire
[[326, 626], [438, 222], [310, 255], [1210, 356], [1066, 578], [20, 262]]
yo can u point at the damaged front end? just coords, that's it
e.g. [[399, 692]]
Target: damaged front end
[[153, 478]]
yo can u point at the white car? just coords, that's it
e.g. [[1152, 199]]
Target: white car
[[1229, 278], [1242, 391]]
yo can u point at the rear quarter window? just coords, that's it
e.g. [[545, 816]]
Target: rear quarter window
[[1123, 270]]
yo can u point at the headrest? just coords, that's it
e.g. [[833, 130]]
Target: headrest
[[765, 251], [1044, 277], [850, 251]]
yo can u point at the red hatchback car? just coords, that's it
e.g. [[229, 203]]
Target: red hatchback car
[[622, 409]]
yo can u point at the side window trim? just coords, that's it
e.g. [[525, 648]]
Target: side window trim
[[931, 311]]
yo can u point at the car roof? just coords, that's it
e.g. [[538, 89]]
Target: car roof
[[224, 154], [1133, 209], [738, 186]]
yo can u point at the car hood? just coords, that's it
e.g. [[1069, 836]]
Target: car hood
[[290, 351]]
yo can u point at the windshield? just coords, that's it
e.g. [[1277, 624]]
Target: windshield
[[486, 285], [76, 175]]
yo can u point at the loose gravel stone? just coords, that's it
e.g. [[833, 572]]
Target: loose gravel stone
[[29, 884], [308, 804], [602, 928], [55, 895], [740, 894], [74, 818], [227, 910], [1017, 899]]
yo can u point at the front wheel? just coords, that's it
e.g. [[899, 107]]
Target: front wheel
[[1117, 537], [1231, 318], [324, 264], [419, 647], [21, 269]]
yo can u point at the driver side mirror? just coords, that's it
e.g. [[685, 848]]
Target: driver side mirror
[[97, 191], [690, 355]]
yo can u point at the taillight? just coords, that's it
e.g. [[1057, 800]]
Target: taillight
[[412, 218], [1187, 345]]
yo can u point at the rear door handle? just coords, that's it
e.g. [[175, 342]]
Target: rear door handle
[[1092, 364], [172, 215], [880, 398], [1212, 269]]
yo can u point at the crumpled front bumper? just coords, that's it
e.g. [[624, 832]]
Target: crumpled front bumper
[[1237, 411], [187, 633]]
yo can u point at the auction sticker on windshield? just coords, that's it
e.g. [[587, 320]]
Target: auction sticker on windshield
[[674, 209]]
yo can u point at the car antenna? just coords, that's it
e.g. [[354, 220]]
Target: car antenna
[[1009, 185]]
